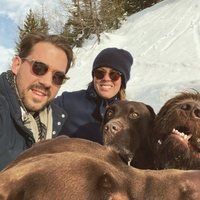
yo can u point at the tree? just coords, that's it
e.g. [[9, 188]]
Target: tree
[[85, 18], [83, 22], [133, 6], [32, 23], [112, 13]]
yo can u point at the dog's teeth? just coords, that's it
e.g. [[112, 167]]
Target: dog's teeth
[[181, 134], [185, 137], [159, 142], [189, 136], [175, 131]]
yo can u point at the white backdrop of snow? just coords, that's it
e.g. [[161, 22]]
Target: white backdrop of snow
[[165, 42]]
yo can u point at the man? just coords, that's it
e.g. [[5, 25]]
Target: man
[[36, 75]]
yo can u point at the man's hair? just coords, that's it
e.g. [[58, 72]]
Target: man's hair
[[31, 39]]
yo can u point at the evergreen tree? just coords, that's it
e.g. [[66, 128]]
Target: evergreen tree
[[133, 6], [32, 23], [43, 26], [83, 21], [86, 17], [112, 13], [69, 34]]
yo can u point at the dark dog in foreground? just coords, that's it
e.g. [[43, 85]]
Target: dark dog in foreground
[[77, 169], [177, 132], [127, 127]]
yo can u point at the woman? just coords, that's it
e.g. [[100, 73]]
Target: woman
[[85, 108]]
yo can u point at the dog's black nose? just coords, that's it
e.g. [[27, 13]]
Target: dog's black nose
[[112, 127]]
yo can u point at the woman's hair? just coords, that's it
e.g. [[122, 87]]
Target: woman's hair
[[121, 94], [27, 43]]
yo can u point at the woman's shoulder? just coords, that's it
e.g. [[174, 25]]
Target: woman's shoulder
[[67, 94], [69, 97]]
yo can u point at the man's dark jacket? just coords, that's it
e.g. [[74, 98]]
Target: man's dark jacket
[[14, 136], [85, 110]]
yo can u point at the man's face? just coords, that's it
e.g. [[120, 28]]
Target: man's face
[[37, 91]]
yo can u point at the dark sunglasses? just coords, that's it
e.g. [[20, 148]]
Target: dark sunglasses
[[114, 75], [40, 69]]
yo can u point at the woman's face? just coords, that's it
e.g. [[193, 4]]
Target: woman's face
[[107, 82]]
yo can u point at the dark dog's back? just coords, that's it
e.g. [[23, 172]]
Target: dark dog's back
[[89, 171]]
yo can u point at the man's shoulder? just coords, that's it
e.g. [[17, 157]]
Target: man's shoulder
[[5, 90], [74, 93], [3, 102]]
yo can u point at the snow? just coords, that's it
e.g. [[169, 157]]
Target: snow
[[165, 43]]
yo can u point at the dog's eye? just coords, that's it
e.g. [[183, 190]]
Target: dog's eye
[[133, 115], [109, 113], [185, 107]]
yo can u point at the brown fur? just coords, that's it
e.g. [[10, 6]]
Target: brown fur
[[183, 114], [88, 171], [127, 126]]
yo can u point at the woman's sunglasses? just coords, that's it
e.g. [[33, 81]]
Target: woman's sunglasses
[[40, 69], [114, 75]]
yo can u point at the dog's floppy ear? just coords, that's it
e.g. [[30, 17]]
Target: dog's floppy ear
[[153, 114], [104, 120]]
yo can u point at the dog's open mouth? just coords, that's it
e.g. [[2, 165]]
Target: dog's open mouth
[[186, 137], [183, 136], [183, 132]]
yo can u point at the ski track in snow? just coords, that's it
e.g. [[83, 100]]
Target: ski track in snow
[[173, 34], [196, 34]]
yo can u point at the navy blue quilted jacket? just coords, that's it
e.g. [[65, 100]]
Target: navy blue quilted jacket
[[85, 111], [14, 136]]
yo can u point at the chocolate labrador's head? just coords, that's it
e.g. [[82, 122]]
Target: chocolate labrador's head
[[127, 126]]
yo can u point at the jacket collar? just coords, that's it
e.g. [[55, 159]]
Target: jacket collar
[[101, 104], [92, 94]]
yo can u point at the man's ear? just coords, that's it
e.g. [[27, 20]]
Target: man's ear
[[16, 63]]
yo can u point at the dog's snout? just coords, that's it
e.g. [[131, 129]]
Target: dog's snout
[[112, 127]]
